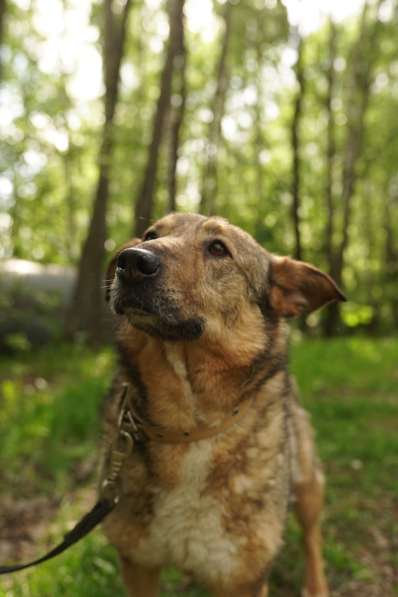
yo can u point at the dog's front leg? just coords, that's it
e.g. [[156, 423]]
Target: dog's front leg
[[140, 581]]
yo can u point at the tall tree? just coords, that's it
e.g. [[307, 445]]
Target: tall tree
[[209, 178], [145, 200], [178, 102], [296, 147], [85, 311], [363, 60], [259, 141], [330, 144], [391, 252], [3, 8]]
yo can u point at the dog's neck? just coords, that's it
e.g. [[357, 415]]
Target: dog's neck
[[194, 383]]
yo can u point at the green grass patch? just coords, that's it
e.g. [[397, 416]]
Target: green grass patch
[[49, 413]]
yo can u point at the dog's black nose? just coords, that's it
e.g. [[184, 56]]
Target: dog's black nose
[[137, 262]]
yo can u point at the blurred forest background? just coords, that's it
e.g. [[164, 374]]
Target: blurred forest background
[[281, 115]]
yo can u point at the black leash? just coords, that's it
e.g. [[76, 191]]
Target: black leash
[[120, 449], [89, 521]]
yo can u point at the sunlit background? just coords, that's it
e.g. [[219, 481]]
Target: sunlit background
[[287, 143], [62, 41]]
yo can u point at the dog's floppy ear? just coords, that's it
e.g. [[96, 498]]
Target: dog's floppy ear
[[110, 270], [298, 287]]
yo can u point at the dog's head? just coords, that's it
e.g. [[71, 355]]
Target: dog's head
[[191, 276]]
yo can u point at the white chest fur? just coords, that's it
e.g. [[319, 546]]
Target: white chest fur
[[187, 529]]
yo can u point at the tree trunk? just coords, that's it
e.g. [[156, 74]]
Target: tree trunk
[[86, 309], [177, 111], [296, 149], [70, 197], [259, 144], [3, 8], [209, 181], [362, 64], [329, 320], [145, 200], [330, 147], [391, 256]]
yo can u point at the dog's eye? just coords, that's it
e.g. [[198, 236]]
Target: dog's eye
[[150, 235], [217, 249]]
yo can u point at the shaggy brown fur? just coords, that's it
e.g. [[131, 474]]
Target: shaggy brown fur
[[202, 329]]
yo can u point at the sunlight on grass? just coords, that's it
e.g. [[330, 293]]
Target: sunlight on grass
[[51, 403]]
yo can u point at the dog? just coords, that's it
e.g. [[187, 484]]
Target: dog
[[202, 313]]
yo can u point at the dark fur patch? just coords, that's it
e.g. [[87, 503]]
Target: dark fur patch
[[275, 364], [185, 329], [133, 375]]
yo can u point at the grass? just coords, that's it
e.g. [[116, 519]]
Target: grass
[[48, 439]]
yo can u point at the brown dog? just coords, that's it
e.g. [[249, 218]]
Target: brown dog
[[203, 342]]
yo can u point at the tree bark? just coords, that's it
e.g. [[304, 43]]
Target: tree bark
[[145, 200], [70, 197], [177, 110], [209, 180], [330, 147], [296, 149], [3, 9], [364, 55], [85, 312], [259, 144], [391, 256]]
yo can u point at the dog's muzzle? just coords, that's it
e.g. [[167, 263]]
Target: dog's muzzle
[[141, 294], [137, 281], [137, 263]]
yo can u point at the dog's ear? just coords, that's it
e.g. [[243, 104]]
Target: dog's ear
[[298, 287], [111, 269]]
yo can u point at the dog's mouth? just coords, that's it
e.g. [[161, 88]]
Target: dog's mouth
[[123, 306], [167, 327], [135, 315], [157, 314]]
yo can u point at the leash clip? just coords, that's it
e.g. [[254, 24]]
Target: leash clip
[[120, 449], [128, 419]]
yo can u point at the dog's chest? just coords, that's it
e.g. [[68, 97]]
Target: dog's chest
[[205, 509], [187, 528]]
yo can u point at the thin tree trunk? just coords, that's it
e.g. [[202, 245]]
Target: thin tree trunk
[[391, 257], [177, 111], [15, 216], [209, 181], [85, 311], [70, 204], [363, 59], [259, 144], [296, 149], [3, 9], [329, 320], [330, 147], [145, 200]]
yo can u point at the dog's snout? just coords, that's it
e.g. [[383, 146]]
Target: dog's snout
[[137, 262]]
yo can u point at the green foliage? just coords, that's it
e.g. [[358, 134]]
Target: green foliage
[[88, 569], [54, 408], [51, 135]]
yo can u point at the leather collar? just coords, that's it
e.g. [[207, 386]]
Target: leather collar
[[131, 422]]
